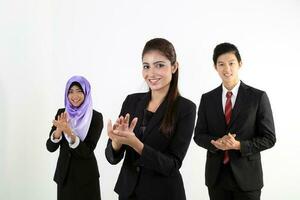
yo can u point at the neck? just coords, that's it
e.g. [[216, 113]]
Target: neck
[[157, 97], [231, 85]]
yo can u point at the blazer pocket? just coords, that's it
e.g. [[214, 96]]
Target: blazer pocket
[[254, 157]]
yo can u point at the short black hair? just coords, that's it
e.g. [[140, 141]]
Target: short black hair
[[226, 48]]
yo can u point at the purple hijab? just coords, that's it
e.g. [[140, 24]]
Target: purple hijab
[[79, 117]]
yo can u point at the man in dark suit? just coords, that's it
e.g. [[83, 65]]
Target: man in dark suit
[[234, 124]]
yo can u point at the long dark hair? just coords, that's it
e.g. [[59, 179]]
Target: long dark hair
[[168, 50]]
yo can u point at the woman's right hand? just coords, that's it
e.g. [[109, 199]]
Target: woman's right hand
[[58, 132], [110, 128]]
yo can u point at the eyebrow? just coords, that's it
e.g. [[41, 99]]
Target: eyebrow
[[160, 61], [233, 60], [77, 89]]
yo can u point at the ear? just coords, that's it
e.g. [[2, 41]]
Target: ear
[[175, 67], [241, 64], [215, 66]]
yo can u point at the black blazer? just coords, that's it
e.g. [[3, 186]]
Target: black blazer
[[80, 163], [251, 121], [155, 174]]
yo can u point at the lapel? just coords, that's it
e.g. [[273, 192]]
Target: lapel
[[239, 103], [141, 105], [219, 106], [157, 117]]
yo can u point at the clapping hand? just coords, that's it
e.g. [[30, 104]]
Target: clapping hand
[[227, 142], [122, 132], [62, 125]]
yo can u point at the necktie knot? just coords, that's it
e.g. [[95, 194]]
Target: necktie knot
[[228, 94]]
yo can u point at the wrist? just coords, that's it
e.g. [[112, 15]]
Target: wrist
[[57, 133], [238, 145], [116, 146], [138, 146]]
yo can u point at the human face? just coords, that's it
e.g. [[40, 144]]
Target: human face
[[157, 71], [75, 96], [227, 67]]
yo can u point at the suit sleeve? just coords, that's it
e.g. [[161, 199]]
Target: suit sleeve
[[86, 148], [265, 131], [111, 155], [51, 146], [169, 161], [202, 136]]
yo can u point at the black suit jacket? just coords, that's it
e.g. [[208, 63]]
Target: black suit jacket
[[251, 121], [155, 174], [78, 164]]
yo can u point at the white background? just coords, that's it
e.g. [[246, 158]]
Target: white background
[[45, 42]]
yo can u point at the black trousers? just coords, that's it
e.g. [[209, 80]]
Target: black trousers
[[75, 191], [131, 197], [227, 188]]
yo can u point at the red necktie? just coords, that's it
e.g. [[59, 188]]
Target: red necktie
[[228, 110]]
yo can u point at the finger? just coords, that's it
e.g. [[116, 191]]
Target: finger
[[133, 124], [109, 126], [115, 126], [217, 144], [118, 121], [54, 122], [121, 120], [126, 120]]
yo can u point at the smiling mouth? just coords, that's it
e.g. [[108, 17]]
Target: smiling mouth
[[75, 101], [227, 75], [154, 80]]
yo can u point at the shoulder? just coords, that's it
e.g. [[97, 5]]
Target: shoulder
[[97, 114], [251, 91], [60, 110], [185, 105], [137, 96], [213, 93]]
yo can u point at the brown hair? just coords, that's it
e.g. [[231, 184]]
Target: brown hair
[[167, 49]]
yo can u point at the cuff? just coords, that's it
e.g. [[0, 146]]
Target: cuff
[[53, 139], [75, 144]]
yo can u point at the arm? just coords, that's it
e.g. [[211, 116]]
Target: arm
[[264, 127], [169, 161], [202, 136], [115, 156], [86, 148], [53, 146], [112, 156]]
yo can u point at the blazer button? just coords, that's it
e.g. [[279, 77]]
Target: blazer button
[[138, 169]]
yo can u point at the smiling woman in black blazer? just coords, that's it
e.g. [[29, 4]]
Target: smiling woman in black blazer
[[157, 136], [76, 130]]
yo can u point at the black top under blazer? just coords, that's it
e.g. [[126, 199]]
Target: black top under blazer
[[251, 121], [80, 163], [155, 173]]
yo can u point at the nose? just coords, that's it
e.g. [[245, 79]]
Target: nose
[[227, 68], [151, 71]]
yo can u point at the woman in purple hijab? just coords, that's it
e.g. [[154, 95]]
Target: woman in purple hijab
[[76, 131]]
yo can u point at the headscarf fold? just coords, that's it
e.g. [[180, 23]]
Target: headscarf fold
[[79, 118]]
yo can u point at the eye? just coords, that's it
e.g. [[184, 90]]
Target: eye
[[145, 66], [159, 65]]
